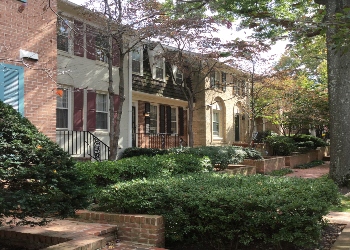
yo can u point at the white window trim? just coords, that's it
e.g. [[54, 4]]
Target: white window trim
[[70, 108], [108, 112], [217, 109], [140, 50], [154, 70]]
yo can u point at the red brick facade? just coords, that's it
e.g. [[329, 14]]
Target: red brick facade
[[34, 30]]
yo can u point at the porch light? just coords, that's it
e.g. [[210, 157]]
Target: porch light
[[146, 114]]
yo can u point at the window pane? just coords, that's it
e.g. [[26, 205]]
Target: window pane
[[153, 119], [159, 73], [101, 111], [101, 48], [173, 121], [101, 102], [216, 123], [136, 66], [62, 109], [62, 118], [101, 120], [63, 35], [178, 78]]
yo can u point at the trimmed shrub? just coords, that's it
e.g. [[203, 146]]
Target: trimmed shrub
[[220, 157], [252, 154], [281, 145], [105, 173], [306, 139], [37, 178], [131, 152], [216, 211], [260, 137]]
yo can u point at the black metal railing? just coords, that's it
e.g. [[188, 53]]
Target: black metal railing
[[161, 140], [82, 144]]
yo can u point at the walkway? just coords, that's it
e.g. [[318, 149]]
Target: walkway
[[343, 241]]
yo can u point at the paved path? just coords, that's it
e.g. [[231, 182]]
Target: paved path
[[343, 241]]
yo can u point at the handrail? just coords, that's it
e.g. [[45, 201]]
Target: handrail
[[82, 144], [158, 140]]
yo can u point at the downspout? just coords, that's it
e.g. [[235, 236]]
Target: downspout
[[130, 100]]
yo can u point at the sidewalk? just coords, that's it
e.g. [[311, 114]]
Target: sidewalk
[[343, 240]]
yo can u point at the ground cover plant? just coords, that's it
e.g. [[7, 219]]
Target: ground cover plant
[[218, 211], [37, 178], [281, 172], [310, 164]]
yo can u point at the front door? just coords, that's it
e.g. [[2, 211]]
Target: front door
[[237, 128]]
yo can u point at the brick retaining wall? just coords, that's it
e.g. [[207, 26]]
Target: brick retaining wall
[[137, 228]]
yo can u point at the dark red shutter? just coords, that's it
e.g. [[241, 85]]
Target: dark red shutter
[[79, 38], [161, 119], [116, 106], [181, 121], [115, 53], [90, 43], [78, 110], [91, 110], [168, 119]]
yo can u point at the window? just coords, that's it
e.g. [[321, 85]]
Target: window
[[62, 108], [173, 121], [223, 81], [237, 88], [101, 111], [153, 119], [101, 48], [159, 68], [178, 78], [12, 86], [216, 123], [214, 79], [63, 31], [136, 61]]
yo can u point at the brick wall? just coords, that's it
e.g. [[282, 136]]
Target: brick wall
[[32, 30], [143, 229]]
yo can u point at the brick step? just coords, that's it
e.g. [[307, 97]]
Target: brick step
[[326, 158]]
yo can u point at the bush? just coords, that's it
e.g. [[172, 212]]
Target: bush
[[306, 139], [260, 137], [106, 173], [215, 211], [38, 179], [252, 154], [220, 157], [131, 152], [281, 145], [309, 165]]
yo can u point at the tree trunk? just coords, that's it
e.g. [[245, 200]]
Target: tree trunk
[[339, 100]]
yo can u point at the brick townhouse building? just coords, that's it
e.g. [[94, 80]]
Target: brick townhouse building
[[54, 73], [28, 61]]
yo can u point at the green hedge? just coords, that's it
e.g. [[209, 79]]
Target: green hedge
[[220, 157], [215, 211], [307, 139], [132, 152], [37, 178], [105, 173]]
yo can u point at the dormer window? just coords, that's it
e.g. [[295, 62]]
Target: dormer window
[[159, 69], [136, 61], [177, 76]]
